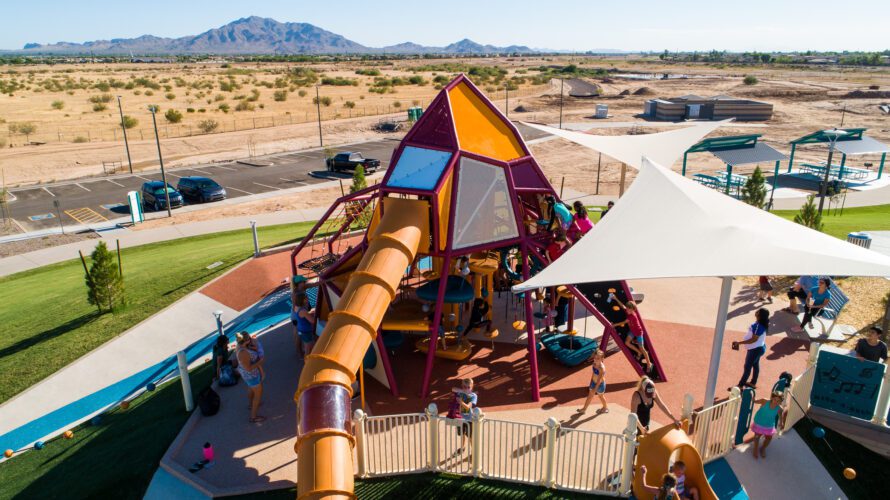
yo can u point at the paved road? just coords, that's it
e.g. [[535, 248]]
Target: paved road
[[96, 199]]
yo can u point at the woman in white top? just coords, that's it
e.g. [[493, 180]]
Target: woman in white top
[[755, 343]]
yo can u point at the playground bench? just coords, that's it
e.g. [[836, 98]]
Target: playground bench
[[835, 305]]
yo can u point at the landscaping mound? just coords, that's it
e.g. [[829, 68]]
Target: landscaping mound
[[644, 91]]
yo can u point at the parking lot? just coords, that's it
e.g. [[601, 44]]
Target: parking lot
[[98, 199]]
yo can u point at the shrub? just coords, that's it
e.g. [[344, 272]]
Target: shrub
[[80, 139], [417, 80], [244, 106], [358, 180], [254, 96], [101, 98], [219, 97], [280, 95], [325, 101], [224, 107], [99, 107], [24, 128], [105, 287], [754, 190], [202, 110], [368, 72], [397, 105], [809, 215], [750, 80], [149, 93], [130, 122], [103, 86], [137, 92], [154, 108], [339, 81], [173, 116], [170, 96], [349, 104], [208, 126], [301, 93], [58, 104], [189, 110]]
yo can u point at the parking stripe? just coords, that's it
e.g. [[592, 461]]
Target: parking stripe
[[239, 190], [81, 187], [225, 168], [85, 215], [50, 192], [143, 178], [266, 186], [174, 175], [200, 171], [119, 184]]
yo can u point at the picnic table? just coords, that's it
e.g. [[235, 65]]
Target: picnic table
[[837, 171]]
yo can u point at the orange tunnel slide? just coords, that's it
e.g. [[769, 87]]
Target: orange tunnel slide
[[324, 443], [664, 445]]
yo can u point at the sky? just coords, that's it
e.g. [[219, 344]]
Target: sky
[[573, 25]]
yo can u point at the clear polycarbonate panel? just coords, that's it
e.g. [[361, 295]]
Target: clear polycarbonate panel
[[483, 212], [418, 168]]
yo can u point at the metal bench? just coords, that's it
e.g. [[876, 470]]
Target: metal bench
[[836, 302], [708, 181]]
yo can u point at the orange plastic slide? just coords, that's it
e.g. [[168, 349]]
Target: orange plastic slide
[[662, 446], [324, 442]]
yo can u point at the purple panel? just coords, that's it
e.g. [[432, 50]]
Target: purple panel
[[526, 176], [435, 126]]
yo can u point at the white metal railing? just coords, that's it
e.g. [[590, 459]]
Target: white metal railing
[[715, 427], [546, 455]]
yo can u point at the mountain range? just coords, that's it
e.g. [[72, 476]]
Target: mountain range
[[258, 35]]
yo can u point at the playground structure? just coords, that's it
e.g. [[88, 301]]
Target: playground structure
[[462, 192]]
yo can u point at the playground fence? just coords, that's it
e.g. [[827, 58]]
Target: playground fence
[[801, 387], [538, 454], [714, 427]]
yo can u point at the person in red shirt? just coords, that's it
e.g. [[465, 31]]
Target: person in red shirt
[[557, 246], [634, 341]]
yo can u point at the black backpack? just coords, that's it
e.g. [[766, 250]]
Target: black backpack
[[227, 376], [208, 402]]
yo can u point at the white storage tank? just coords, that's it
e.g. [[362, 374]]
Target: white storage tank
[[602, 111]]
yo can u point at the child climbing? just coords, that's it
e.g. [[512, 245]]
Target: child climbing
[[581, 222], [635, 341], [667, 490], [683, 492], [764, 426], [560, 216], [597, 383]]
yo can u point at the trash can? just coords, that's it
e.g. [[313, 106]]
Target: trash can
[[860, 239]]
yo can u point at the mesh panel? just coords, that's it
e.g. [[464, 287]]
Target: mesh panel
[[483, 213]]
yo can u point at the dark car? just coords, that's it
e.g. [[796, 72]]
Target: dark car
[[201, 189], [153, 196], [349, 160]]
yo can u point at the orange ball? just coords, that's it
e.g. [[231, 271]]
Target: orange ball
[[125, 405], [615, 308], [850, 473], [8, 453], [68, 434]]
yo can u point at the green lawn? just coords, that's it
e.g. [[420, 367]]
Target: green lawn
[[875, 218], [115, 459], [47, 322]]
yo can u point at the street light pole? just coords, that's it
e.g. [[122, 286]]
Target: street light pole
[[124, 129], [154, 122], [318, 109], [507, 100], [833, 135], [561, 82]]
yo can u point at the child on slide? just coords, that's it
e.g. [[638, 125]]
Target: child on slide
[[634, 341], [683, 492], [667, 490], [597, 383], [765, 420]]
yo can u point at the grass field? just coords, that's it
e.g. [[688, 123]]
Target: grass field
[[874, 218], [48, 322]]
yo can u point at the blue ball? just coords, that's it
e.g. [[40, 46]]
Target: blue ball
[[150, 387], [459, 328], [39, 445], [96, 420], [818, 432]]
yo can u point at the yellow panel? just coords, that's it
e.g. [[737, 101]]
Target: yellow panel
[[444, 209], [479, 129]]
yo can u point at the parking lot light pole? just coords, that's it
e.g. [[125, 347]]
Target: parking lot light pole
[[318, 110], [833, 135], [154, 122], [124, 129], [561, 83]]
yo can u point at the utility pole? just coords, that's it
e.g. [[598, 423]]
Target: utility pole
[[154, 122], [124, 129], [318, 109], [561, 82], [507, 100]]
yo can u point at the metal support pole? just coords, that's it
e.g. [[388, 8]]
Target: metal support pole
[[318, 110], [507, 101], [59, 214], [840, 173], [683, 171], [717, 345], [186, 382], [154, 122], [561, 83], [358, 418], [728, 178], [623, 174], [124, 130], [530, 328], [550, 451], [823, 189], [219, 324], [881, 167], [599, 165], [772, 193], [432, 414], [256, 240], [791, 157]]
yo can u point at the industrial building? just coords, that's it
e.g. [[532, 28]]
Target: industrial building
[[719, 107]]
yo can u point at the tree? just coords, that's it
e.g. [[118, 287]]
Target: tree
[[754, 190], [809, 215], [358, 180], [24, 128], [104, 283], [173, 116]]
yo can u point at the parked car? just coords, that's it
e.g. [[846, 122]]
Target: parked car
[[350, 160], [153, 196], [201, 189]]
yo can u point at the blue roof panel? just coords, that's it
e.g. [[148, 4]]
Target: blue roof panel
[[419, 168]]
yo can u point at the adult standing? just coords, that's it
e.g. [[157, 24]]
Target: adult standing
[[250, 365], [755, 345], [871, 348], [642, 401]]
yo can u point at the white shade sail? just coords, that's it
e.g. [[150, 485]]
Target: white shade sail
[[668, 226], [663, 148]]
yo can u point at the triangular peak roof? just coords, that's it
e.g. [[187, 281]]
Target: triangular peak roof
[[480, 127], [853, 134]]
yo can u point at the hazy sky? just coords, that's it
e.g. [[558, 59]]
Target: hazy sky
[[562, 24]]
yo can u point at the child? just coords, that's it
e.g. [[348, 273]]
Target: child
[[667, 490], [597, 383], [634, 341], [679, 470], [581, 222], [764, 425], [766, 289], [478, 316], [468, 401]]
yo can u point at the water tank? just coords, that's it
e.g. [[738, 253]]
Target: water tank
[[602, 111]]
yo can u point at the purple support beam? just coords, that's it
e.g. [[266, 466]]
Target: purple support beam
[[530, 328], [384, 358], [434, 328]]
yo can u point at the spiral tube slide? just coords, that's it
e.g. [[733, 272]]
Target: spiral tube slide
[[324, 443]]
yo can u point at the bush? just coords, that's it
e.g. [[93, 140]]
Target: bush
[[301, 93], [397, 105], [349, 104], [173, 116], [750, 80], [244, 106], [189, 110], [224, 107], [208, 126], [58, 104], [202, 110], [358, 180], [170, 96], [130, 122], [154, 108], [101, 98], [325, 101], [80, 139], [339, 81], [99, 107], [105, 286], [219, 97], [24, 128], [149, 93], [809, 215], [417, 80], [254, 96], [280, 95], [368, 72]]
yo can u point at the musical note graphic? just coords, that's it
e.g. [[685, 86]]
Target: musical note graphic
[[866, 373], [855, 387]]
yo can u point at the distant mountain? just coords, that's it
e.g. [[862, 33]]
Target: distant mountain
[[257, 35]]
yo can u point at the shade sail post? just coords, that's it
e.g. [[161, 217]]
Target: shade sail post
[[881, 168], [683, 173], [717, 345], [728, 177], [772, 193], [791, 157]]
